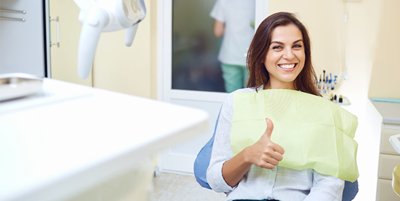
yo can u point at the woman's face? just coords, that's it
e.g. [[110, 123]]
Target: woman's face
[[285, 57]]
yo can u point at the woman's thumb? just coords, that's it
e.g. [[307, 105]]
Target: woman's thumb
[[270, 127]]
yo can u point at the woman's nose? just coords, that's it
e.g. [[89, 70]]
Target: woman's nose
[[288, 53]]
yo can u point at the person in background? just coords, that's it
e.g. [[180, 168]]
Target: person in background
[[279, 57], [234, 21]]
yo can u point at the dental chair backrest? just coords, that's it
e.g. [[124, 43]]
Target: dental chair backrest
[[203, 160]]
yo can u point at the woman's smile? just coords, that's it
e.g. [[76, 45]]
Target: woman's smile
[[287, 67]]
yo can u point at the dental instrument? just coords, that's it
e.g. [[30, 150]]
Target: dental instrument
[[105, 16]]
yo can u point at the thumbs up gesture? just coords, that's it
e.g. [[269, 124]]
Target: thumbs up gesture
[[265, 153]]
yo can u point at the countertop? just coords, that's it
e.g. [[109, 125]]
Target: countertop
[[70, 137], [390, 111]]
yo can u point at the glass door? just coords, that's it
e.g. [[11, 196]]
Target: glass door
[[189, 65]]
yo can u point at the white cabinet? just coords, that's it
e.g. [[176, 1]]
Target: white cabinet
[[23, 42], [388, 157]]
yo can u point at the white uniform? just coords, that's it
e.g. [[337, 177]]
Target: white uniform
[[238, 16]]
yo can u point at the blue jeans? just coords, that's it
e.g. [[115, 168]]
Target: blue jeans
[[235, 76]]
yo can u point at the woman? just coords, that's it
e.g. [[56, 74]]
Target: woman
[[279, 57]]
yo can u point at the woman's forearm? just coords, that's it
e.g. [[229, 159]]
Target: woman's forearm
[[234, 169]]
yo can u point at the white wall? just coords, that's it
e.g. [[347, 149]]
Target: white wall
[[127, 69], [385, 74]]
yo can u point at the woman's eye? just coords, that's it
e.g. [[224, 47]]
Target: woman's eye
[[297, 46], [276, 47]]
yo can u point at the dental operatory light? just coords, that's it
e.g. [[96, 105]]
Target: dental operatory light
[[99, 16]]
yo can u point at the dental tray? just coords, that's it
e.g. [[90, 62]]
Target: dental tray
[[17, 85]]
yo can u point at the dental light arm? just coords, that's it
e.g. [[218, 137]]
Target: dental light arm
[[103, 16]]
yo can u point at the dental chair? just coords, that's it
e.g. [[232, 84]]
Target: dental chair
[[203, 160]]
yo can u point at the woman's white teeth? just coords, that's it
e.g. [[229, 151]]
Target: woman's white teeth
[[286, 66]]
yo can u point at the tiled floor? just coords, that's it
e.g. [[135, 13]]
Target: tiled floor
[[177, 187]]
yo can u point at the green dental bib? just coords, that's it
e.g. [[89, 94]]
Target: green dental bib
[[315, 133]]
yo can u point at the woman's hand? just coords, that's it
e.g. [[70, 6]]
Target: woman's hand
[[265, 153]]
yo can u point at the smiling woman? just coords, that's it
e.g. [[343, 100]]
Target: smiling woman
[[279, 59]]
